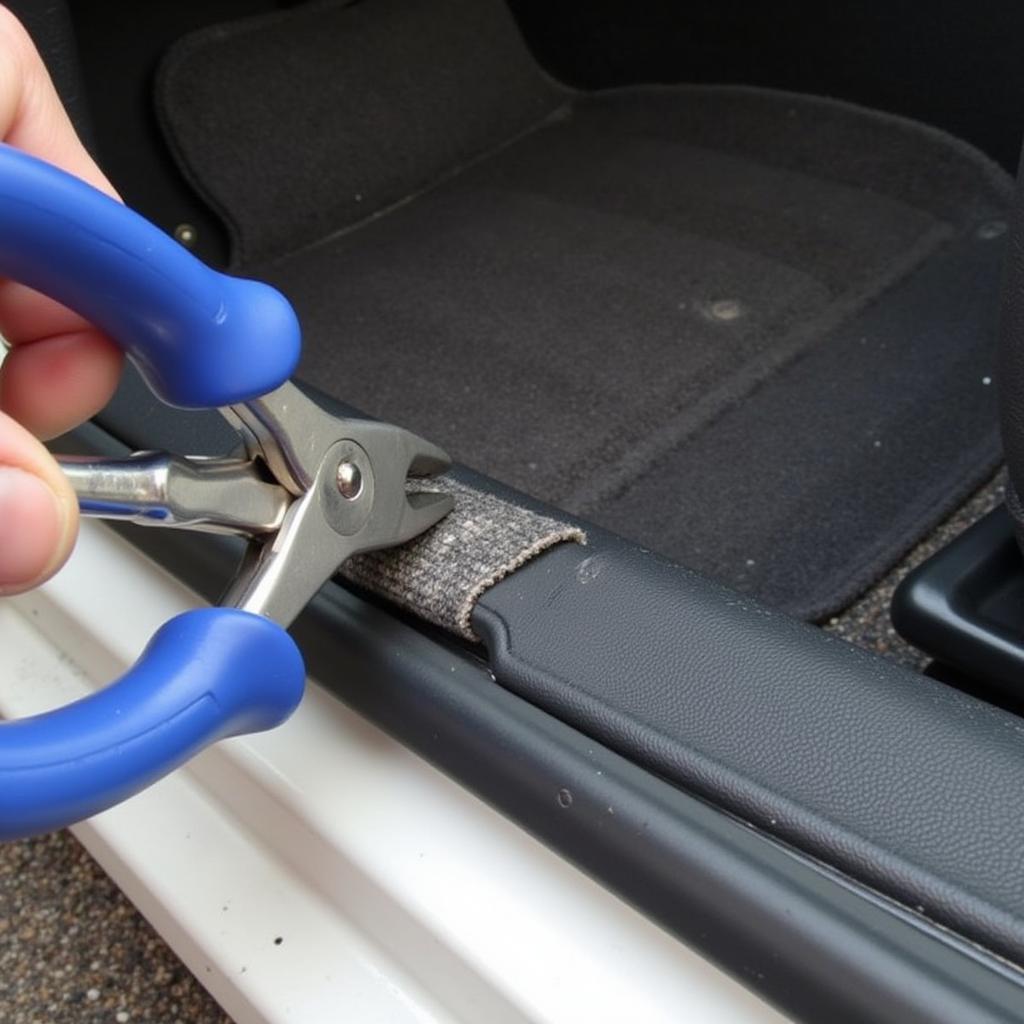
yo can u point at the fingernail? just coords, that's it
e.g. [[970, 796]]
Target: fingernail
[[31, 528]]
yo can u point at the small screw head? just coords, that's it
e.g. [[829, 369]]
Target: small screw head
[[186, 235], [350, 480]]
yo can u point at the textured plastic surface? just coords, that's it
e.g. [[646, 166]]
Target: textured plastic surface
[[907, 785], [201, 338], [206, 675]]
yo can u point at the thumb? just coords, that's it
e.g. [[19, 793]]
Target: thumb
[[38, 511]]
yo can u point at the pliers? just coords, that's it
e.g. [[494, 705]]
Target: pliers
[[311, 490]]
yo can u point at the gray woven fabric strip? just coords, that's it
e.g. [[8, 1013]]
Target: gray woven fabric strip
[[441, 575]]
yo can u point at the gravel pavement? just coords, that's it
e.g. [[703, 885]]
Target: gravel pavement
[[73, 950]]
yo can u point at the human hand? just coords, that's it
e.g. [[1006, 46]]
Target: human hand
[[60, 370]]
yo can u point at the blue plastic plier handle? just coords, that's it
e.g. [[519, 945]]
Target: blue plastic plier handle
[[201, 339]]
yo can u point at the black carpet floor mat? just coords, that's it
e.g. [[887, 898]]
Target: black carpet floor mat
[[750, 330]]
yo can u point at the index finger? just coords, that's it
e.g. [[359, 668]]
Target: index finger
[[61, 369]]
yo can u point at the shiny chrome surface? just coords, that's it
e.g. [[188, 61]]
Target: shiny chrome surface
[[314, 490], [157, 489]]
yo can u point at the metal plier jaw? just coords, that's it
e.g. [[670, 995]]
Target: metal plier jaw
[[312, 490]]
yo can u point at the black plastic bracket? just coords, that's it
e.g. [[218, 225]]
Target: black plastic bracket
[[965, 605]]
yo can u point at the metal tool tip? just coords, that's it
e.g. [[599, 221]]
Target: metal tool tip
[[429, 460], [424, 509]]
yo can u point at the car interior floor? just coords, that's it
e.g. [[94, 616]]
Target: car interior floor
[[749, 329]]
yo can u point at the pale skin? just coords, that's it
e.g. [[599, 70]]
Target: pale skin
[[60, 370]]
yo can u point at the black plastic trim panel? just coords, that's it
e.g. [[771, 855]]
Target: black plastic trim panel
[[902, 782]]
